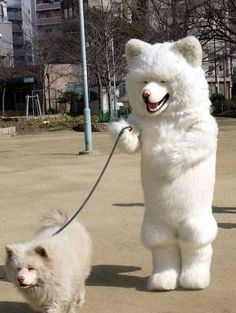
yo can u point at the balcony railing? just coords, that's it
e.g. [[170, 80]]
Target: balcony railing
[[49, 20], [48, 6]]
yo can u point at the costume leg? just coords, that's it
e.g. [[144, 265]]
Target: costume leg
[[195, 237], [166, 268], [161, 240]]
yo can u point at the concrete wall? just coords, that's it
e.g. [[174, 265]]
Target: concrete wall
[[57, 78]]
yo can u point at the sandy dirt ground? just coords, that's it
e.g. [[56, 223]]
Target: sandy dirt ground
[[44, 171]]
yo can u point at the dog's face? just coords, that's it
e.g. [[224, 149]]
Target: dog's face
[[24, 265]]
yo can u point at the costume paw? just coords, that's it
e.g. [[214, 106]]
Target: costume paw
[[129, 139], [167, 280], [116, 127]]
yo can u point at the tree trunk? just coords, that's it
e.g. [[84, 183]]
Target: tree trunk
[[108, 87], [3, 98], [99, 81]]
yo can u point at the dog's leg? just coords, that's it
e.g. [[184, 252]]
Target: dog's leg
[[72, 306], [56, 307], [78, 300], [166, 268], [81, 297]]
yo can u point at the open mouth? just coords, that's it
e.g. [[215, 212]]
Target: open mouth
[[154, 107], [25, 286]]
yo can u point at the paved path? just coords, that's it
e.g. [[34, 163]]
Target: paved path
[[42, 172]]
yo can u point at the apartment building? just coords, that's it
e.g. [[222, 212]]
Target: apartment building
[[69, 8], [6, 40], [49, 17], [21, 14], [218, 65], [117, 7]]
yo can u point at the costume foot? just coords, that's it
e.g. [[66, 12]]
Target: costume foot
[[195, 277], [167, 280]]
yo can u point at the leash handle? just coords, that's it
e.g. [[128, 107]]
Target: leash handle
[[129, 127]]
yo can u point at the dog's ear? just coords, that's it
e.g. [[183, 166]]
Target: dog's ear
[[10, 251], [42, 251]]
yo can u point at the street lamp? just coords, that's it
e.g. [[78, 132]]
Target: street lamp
[[114, 108], [216, 81], [87, 114], [214, 46]]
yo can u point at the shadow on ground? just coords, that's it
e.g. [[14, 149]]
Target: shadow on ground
[[224, 210], [124, 205], [116, 276], [227, 225], [220, 210], [2, 274], [14, 307]]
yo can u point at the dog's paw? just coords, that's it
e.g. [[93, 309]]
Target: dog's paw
[[81, 299], [81, 302]]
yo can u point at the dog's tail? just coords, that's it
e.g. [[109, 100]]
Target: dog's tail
[[55, 218]]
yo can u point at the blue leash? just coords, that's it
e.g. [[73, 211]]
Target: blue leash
[[96, 184]]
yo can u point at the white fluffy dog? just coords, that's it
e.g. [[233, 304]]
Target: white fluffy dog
[[50, 271], [177, 136]]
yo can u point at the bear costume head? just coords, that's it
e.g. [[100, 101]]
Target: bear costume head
[[166, 78]]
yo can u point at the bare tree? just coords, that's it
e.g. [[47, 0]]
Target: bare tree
[[6, 72], [106, 38], [217, 18]]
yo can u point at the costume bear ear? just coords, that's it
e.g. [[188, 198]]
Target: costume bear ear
[[191, 50], [134, 47]]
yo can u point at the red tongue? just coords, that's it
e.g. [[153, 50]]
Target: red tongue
[[152, 106]]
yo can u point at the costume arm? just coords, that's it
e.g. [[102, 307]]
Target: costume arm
[[196, 144]]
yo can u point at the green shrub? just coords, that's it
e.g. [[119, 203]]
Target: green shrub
[[59, 121], [73, 97], [216, 97], [220, 105], [69, 97]]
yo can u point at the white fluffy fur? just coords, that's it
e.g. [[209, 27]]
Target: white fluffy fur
[[178, 153], [53, 269]]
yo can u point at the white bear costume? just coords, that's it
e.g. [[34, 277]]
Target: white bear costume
[[177, 136]]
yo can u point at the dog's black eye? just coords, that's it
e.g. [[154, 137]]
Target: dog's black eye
[[145, 82], [30, 268], [18, 269], [162, 82]]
